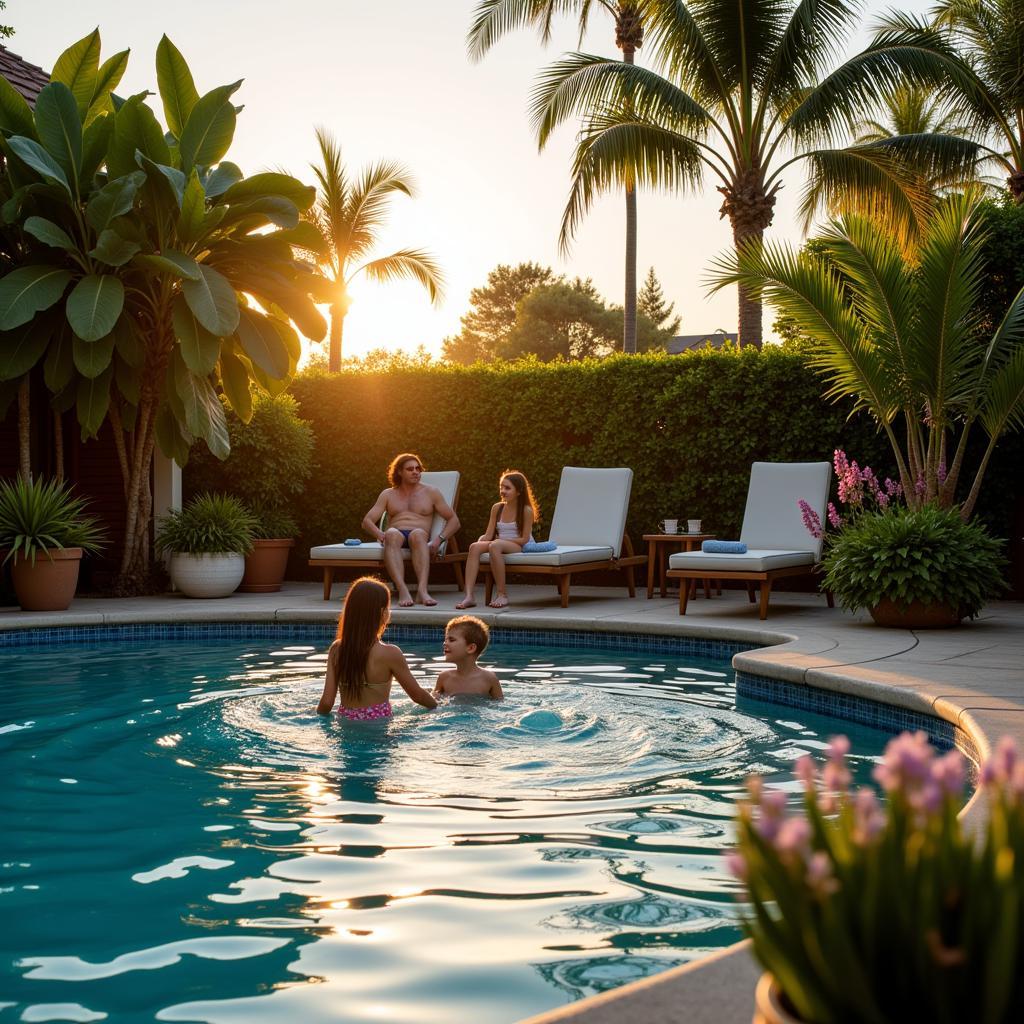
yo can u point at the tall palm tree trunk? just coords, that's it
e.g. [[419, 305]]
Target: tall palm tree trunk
[[337, 330], [24, 429], [629, 302], [750, 209]]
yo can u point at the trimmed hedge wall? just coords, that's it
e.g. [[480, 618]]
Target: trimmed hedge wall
[[689, 426]]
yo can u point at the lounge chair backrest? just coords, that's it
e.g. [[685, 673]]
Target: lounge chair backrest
[[591, 507], [772, 518], [447, 482]]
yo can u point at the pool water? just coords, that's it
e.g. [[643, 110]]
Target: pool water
[[184, 839]]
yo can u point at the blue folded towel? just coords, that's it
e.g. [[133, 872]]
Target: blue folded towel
[[724, 547], [535, 547], [353, 542]]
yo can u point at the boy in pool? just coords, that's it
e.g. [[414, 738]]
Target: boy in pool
[[465, 639]]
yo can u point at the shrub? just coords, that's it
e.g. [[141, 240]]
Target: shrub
[[927, 554], [208, 524], [37, 515]]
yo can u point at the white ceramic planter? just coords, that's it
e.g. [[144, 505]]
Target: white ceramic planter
[[207, 575]]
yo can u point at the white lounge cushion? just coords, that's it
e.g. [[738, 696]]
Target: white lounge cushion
[[755, 560], [772, 519], [564, 554], [446, 481], [591, 509]]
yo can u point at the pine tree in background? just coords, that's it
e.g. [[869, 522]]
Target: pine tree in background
[[651, 302]]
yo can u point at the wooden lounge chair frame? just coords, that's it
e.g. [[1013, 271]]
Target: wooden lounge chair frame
[[688, 579]]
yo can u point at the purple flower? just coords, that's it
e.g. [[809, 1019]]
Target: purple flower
[[805, 771], [940, 472], [868, 817], [834, 518], [820, 878], [793, 837], [737, 864], [948, 773], [812, 521], [906, 763]]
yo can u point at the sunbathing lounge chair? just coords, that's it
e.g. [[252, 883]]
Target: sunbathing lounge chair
[[588, 527], [778, 543], [370, 554]]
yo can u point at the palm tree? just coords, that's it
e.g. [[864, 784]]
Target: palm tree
[[348, 214], [747, 94], [903, 340], [492, 18]]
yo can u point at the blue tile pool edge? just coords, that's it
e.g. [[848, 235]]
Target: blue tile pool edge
[[850, 707]]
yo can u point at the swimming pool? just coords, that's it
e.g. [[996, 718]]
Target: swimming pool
[[186, 840]]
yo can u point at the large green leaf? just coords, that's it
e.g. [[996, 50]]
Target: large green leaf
[[128, 343], [93, 402], [294, 303], [77, 68], [169, 437], [176, 85], [94, 305], [127, 380], [30, 152], [272, 184], [213, 301], [29, 290], [107, 79], [135, 128], [95, 141], [172, 262], [59, 127], [92, 357], [234, 378], [49, 233], [114, 199], [114, 250], [221, 178], [257, 213], [262, 344], [59, 365], [165, 184], [193, 211], [204, 414], [199, 348], [21, 349], [303, 236], [210, 128], [15, 113]]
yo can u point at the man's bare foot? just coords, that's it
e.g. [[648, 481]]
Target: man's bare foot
[[466, 602], [501, 601], [425, 599], [405, 600]]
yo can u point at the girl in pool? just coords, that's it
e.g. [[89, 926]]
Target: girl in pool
[[509, 528], [362, 667]]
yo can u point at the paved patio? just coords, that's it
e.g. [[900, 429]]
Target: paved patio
[[972, 676]]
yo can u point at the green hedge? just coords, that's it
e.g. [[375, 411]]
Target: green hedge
[[689, 426]]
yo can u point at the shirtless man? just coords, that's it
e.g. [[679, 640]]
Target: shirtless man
[[411, 507]]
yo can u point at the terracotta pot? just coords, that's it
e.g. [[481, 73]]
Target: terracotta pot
[[49, 585], [769, 1005], [209, 575], [265, 566], [915, 616]]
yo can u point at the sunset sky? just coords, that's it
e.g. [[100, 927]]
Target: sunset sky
[[391, 79]]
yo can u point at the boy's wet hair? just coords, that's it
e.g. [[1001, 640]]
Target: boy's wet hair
[[473, 631]]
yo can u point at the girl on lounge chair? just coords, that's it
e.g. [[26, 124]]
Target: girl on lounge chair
[[509, 528], [362, 667]]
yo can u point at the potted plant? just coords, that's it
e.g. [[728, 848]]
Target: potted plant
[[872, 912], [267, 468], [45, 530], [273, 539], [912, 568], [207, 541]]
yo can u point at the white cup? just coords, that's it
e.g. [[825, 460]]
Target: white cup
[[670, 525], [693, 525]]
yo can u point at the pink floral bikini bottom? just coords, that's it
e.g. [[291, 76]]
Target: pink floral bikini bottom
[[367, 714]]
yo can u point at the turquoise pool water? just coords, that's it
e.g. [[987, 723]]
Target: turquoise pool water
[[184, 839]]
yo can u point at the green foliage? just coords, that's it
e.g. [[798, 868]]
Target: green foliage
[[208, 524], [1003, 253], [272, 522], [37, 515], [927, 554], [689, 426], [650, 301], [269, 464]]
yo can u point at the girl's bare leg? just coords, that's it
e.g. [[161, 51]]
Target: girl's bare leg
[[472, 569], [497, 550]]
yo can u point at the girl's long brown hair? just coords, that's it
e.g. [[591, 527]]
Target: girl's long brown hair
[[361, 624], [524, 496]]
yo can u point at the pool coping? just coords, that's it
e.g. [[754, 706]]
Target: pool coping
[[840, 654]]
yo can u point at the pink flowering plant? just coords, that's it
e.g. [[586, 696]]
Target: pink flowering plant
[[874, 911], [879, 549]]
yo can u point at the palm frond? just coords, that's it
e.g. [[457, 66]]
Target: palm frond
[[612, 153], [1004, 409], [1007, 339], [494, 18], [803, 287], [367, 203], [415, 264], [331, 193], [580, 83]]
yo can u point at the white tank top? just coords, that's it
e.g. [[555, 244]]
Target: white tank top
[[507, 531]]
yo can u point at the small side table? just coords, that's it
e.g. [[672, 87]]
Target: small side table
[[658, 550]]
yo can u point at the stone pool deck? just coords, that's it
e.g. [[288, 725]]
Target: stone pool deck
[[971, 676]]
